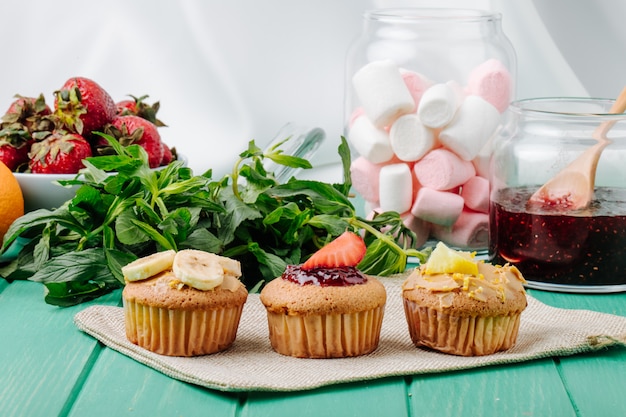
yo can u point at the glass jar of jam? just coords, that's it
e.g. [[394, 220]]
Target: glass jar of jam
[[425, 90], [555, 246]]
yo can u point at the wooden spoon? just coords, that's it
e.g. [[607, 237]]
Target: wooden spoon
[[572, 188]]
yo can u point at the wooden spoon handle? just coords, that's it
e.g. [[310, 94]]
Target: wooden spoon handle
[[618, 107]]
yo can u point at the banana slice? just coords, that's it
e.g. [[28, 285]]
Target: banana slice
[[149, 266], [198, 269]]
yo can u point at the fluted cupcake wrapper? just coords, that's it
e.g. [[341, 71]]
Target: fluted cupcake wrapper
[[181, 332], [326, 336], [466, 336]]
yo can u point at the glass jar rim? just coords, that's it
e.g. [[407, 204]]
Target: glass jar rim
[[417, 14], [537, 107]]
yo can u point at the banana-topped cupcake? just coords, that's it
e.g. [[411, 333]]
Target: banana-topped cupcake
[[458, 305], [184, 303], [326, 307]]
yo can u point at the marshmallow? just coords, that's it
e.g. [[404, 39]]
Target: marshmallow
[[482, 161], [438, 105], [475, 193], [470, 231], [369, 141], [364, 176], [492, 81], [440, 169], [416, 83], [474, 123], [410, 139], [356, 113], [395, 188], [420, 227], [382, 92], [439, 207]]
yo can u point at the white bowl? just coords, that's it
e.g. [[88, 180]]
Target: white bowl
[[41, 191]]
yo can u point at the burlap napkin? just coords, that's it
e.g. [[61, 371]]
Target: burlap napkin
[[251, 364]]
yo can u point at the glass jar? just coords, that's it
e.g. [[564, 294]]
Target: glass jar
[[425, 90], [555, 246]]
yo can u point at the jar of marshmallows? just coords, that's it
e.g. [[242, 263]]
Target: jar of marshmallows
[[425, 91]]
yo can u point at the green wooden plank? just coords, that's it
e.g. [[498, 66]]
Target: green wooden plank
[[596, 382], [526, 389], [119, 386], [604, 303], [383, 397], [42, 353]]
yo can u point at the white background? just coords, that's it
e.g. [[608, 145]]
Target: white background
[[226, 72]]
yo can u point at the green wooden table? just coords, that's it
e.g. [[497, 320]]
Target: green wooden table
[[50, 368]]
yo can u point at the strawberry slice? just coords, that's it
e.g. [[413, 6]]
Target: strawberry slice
[[347, 250]]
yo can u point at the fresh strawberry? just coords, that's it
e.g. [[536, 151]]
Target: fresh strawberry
[[129, 130], [346, 250], [138, 107], [59, 153], [13, 157], [26, 110], [167, 155], [83, 106]]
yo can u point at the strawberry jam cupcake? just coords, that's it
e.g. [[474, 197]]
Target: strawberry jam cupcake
[[458, 305], [184, 303], [326, 307]]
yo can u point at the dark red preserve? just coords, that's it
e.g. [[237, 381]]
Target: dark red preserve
[[584, 247], [325, 277]]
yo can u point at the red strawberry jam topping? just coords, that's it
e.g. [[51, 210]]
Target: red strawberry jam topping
[[325, 277]]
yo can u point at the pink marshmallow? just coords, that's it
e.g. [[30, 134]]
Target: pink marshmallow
[[441, 169], [416, 83], [365, 178], [470, 231], [492, 81], [475, 193], [439, 207], [418, 226]]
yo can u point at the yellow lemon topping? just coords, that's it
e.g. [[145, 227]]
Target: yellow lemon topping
[[448, 271], [444, 260]]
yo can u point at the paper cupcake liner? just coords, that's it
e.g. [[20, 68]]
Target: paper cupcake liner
[[466, 336], [181, 332], [326, 336]]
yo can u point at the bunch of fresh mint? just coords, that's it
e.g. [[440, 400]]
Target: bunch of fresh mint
[[77, 250]]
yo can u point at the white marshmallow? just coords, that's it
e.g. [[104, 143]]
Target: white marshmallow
[[438, 105], [474, 123], [410, 139], [395, 188], [369, 141], [382, 92]]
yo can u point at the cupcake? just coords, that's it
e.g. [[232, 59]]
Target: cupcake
[[326, 307], [458, 305], [184, 303]]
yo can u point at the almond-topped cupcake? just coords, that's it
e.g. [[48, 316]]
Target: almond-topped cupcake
[[458, 305], [326, 307], [184, 303]]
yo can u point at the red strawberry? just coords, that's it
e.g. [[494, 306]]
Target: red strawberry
[[347, 250], [83, 106], [12, 156], [129, 130], [26, 110], [167, 155], [59, 153], [138, 107]]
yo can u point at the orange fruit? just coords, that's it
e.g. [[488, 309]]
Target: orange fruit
[[11, 199]]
